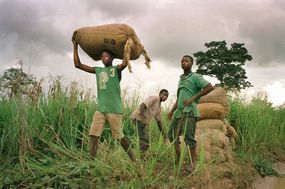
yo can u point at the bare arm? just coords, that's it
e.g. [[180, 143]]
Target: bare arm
[[203, 92], [122, 66], [142, 108], [159, 125], [77, 62], [172, 110]]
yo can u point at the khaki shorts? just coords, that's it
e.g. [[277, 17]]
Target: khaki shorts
[[114, 120]]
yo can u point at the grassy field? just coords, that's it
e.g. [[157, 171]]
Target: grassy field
[[44, 143]]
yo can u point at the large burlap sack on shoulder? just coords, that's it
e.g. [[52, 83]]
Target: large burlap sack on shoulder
[[120, 39], [211, 124], [218, 95], [212, 111]]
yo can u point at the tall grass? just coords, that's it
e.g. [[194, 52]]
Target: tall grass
[[45, 143], [261, 127]]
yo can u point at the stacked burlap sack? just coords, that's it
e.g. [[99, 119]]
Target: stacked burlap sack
[[120, 39], [213, 132]]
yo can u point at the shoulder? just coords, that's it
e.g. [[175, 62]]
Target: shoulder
[[194, 74], [96, 67], [151, 100], [154, 98], [197, 76]]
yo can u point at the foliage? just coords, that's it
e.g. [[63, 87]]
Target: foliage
[[46, 145], [16, 82], [224, 64]]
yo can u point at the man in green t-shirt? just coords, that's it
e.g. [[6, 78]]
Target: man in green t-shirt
[[190, 88], [109, 100]]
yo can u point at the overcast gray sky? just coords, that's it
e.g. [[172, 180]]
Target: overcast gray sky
[[39, 33]]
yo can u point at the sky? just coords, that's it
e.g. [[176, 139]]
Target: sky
[[39, 33]]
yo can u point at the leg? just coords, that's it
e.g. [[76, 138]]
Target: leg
[[95, 132], [193, 156], [143, 136], [126, 146], [189, 127], [115, 122], [173, 135], [93, 146], [177, 150]]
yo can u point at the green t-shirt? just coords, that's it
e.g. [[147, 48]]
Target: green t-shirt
[[189, 86], [108, 90]]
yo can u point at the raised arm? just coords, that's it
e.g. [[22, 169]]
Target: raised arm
[[77, 62], [122, 66]]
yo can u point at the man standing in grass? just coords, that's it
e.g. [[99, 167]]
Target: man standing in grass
[[190, 88], [109, 100], [142, 116]]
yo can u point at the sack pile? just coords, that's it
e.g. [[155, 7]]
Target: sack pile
[[213, 132], [120, 39]]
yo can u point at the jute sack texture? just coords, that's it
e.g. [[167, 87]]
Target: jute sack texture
[[120, 39], [212, 111], [218, 95], [214, 144], [211, 129], [211, 124]]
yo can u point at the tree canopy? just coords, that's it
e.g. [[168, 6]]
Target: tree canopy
[[14, 81], [225, 64]]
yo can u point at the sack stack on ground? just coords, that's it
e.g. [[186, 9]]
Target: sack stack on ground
[[212, 134], [120, 39]]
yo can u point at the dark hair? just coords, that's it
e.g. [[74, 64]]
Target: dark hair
[[108, 52], [163, 90], [191, 58]]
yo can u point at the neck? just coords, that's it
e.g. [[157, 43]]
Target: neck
[[108, 65], [186, 72]]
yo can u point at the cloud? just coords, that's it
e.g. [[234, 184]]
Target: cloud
[[264, 27], [39, 32], [168, 29], [276, 92]]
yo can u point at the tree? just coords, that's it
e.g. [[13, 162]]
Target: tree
[[14, 81], [224, 64]]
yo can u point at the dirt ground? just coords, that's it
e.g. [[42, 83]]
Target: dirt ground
[[235, 175], [271, 182]]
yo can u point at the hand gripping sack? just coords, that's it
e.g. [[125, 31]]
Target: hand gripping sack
[[120, 39]]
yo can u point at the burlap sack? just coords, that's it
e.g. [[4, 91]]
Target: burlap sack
[[218, 139], [214, 145], [212, 111], [231, 133], [211, 124], [120, 39], [218, 95]]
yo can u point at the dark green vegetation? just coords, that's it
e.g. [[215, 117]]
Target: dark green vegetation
[[225, 64]]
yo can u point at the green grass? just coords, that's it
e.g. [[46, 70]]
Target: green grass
[[45, 144]]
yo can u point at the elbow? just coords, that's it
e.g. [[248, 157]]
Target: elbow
[[211, 87], [77, 65]]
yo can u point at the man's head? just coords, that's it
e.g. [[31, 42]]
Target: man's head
[[163, 95], [187, 62], [107, 57]]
